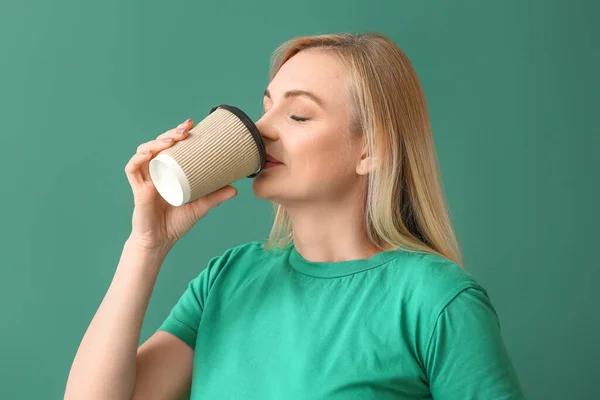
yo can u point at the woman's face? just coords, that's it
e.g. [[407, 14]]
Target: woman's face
[[310, 137]]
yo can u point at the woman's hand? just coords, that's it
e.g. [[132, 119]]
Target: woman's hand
[[156, 223]]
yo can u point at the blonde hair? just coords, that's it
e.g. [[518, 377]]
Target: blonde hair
[[404, 199]]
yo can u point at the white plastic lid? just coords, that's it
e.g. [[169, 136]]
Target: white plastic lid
[[169, 180]]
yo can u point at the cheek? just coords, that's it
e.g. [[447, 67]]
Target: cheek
[[321, 161]]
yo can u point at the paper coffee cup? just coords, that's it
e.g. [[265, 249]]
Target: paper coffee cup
[[221, 149]]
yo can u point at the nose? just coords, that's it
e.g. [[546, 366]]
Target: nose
[[266, 129]]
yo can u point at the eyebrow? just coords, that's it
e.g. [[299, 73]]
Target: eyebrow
[[297, 92]]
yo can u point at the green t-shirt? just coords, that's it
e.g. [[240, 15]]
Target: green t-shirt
[[399, 325]]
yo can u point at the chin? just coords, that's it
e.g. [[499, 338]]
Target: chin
[[263, 189]]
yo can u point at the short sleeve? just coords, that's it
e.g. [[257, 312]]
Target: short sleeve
[[466, 356], [184, 319]]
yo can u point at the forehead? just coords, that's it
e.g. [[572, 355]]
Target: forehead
[[315, 71]]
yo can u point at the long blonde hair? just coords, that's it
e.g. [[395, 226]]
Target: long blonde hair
[[404, 199]]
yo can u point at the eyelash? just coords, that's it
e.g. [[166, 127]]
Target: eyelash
[[299, 119], [295, 118]]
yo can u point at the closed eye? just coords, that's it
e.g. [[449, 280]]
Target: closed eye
[[294, 117], [298, 118]]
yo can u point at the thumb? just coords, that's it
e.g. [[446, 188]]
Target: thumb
[[209, 201]]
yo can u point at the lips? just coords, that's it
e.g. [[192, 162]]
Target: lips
[[272, 159]]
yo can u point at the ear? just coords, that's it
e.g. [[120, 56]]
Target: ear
[[366, 163]]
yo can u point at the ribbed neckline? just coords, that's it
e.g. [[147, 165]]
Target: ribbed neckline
[[339, 268]]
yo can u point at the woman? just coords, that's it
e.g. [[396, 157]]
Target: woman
[[359, 292]]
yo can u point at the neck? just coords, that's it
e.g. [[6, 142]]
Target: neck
[[329, 232]]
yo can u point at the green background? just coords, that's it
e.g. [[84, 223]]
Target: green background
[[512, 88]]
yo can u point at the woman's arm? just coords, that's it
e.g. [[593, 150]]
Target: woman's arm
[[466, 357], [107, 359], [164, 368]]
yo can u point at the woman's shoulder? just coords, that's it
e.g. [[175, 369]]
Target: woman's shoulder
[[244, 256], [252, 251], [241, 250], [432, 280]]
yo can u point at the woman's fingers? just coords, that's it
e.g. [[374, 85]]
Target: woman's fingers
[[137, 169], [134, 167], [180, 132]]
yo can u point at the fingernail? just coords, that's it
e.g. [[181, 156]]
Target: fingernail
[[167, 139], [180, 131], [184, 122]]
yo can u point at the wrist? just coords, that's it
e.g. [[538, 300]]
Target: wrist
[[150, 248]]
